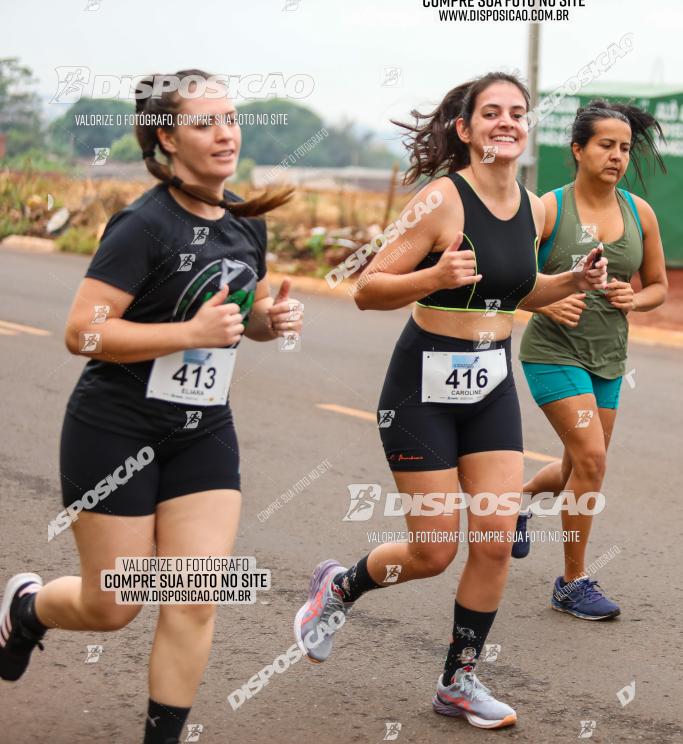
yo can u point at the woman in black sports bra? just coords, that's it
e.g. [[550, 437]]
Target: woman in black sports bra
[[448, 413], [507, 276]]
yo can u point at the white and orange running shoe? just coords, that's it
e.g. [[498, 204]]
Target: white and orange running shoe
[[466, 696], [322, 614]]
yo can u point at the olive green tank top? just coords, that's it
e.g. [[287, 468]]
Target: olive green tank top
[[599, 341]]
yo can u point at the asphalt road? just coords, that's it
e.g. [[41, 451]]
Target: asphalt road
[[555, 670]]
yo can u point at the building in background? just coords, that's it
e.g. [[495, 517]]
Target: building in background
[[350, 178]]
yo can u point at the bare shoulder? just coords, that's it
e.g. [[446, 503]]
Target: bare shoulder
[[538, 211], [533, 198], [645, 211], [440, 202], [439, 190], [537, 204], [647, 216], [550, 203]]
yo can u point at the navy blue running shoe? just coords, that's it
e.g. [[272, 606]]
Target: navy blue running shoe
[[583, 598], [522, 543]]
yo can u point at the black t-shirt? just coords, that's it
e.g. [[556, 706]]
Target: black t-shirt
[[172, 261]]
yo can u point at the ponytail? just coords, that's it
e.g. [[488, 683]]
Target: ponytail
[[435, 147], [168, 103]]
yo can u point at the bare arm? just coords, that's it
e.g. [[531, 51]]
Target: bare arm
[[390, 280], [553, 287], [652, 269], [271, 317], [550, 215], [391, 291], [550, 288], [258, 328], [124, 341]]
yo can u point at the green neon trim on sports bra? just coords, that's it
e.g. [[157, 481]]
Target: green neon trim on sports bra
[[505, 255]]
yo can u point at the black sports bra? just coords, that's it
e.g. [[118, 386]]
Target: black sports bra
[[505, 253]]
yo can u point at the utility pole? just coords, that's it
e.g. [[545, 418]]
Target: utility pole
[[532, 74]]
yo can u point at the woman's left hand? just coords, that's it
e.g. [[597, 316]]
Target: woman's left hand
[[592, 277], [286, 314], [620, 294]]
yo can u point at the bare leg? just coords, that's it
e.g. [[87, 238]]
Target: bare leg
[[551, 478], [586, 447], [419, 559], [197, 524], [485, 573], [77, 602]]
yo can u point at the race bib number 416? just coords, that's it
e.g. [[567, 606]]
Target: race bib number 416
[[461, 377], [198, 376]]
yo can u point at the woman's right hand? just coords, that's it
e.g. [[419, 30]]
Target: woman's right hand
[[456, 268], [215, 324], [567, 311]]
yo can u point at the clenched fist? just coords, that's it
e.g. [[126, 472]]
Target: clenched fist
[[215, 324], [567, 311]]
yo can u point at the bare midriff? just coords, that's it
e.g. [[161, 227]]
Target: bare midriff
[[463, 324]]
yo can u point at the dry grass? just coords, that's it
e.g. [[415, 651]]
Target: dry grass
[[351, 217]]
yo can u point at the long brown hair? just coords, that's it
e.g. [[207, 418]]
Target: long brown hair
[[434, 145], [166, 106]]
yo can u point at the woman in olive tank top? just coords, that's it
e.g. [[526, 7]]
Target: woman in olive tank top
[[574, 352]]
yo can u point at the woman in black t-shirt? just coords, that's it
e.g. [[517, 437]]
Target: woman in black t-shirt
[[149, 455]]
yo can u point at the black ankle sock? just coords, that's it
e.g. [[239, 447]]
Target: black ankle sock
[[470, 629], [356, 581], [164, 723], [27, 614]]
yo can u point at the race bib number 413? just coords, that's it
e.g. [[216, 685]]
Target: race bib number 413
[[461, 377], [198, 376]]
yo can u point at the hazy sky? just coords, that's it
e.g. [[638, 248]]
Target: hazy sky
[[345, 47]]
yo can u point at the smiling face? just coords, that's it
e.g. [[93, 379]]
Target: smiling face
[[204, 152], [498, 124], [607, 153]]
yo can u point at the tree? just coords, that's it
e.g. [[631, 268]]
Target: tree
[[84, 138], [269, 143], [126, 148], [276, 129], [20, 117]]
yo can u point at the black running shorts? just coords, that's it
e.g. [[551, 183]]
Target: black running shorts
[[115, 474], [431, 436]]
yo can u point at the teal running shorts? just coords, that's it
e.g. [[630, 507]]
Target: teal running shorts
[[550, 382]]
